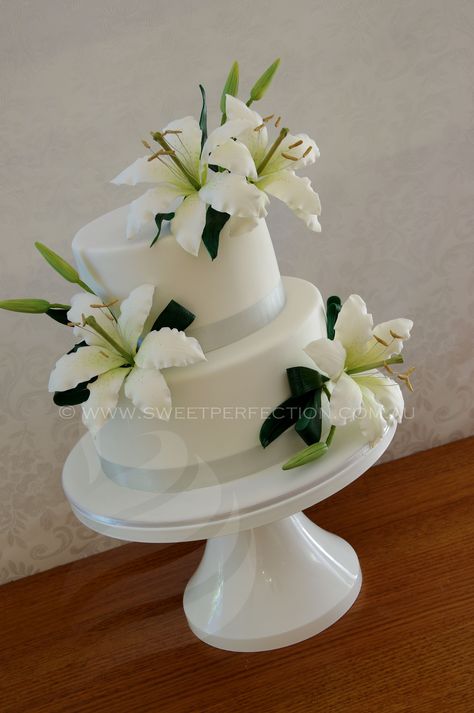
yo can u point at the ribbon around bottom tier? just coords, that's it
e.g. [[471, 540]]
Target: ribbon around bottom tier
[[237, 326], [198, 474]]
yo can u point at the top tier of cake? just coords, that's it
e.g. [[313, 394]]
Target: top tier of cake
[[232, 296]]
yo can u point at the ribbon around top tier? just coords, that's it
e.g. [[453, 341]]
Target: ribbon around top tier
[[237, 326]]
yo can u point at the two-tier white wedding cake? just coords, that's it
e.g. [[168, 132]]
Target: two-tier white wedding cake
[[252, 325]]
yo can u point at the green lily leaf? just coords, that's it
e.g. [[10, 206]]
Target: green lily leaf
[[309, 425], [231, 87], [73, 397], [59, 315], [159, 218], [174, 316], [263, 82], [302, 379], [30, 306], [281, 418], [61, 266], [307, 455], [215, 221], [333, 307], [203, 117]]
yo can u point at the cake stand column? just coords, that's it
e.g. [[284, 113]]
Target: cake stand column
[[271, 586]]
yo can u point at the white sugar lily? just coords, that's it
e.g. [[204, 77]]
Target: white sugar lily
[[241, 146], [114, 357], [185, 187], [351, 361]]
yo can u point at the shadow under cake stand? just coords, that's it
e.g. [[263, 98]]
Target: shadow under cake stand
[[269, 576]]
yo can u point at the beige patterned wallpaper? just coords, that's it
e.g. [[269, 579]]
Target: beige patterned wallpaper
[[386, 90]]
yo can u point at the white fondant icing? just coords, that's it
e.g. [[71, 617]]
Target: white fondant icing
[[219, 405], [244, 273]]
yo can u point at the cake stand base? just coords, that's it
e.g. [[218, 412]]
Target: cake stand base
[[271, 586]]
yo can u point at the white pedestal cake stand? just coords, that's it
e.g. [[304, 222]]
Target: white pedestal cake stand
[[269, 576]]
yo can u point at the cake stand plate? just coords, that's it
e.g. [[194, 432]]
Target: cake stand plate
[[269, 576]]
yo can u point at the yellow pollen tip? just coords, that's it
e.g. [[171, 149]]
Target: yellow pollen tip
[[267, 118], [290, 158], [395, 335], [389, 368], [104, 354], [308, 150], [259, 127], [297, 143], [380, 340], [277, 122], [146, 144], [172, 131]]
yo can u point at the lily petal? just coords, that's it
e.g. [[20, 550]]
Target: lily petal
[[386, 330], [230, 130], [354, 328], [73, 369], [144, 171], [133, 314], [103, 399], [156, 200], [235, 157], [188, 223], [148, 391], [386, 391], [230, 193], [168, 347], [329, 356], [346, 400], [81, 306], [255, 136], [237, 109], [239, 226], [310, 220], [293, 190], [371, 419], [186, 143], [279, 162]]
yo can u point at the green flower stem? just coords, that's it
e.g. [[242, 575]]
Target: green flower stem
[[93, 324], [330, 435], [396, 359], [283, 133], [327, 392], [158, 136]]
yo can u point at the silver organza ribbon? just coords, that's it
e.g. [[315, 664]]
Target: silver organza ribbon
[[227, 331]]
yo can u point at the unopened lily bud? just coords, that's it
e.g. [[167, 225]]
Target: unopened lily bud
[[263, 82], [32, 306]]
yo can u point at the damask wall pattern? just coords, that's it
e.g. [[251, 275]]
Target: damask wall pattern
[[385, 88]]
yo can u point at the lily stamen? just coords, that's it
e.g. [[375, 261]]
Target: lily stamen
[[259, 127], [380, 340], [308, 151], [388, 368], [267, 118], [109, 304], [277, 122], [162, 152], [297, 143], [290, 158], [146, 144], [396, 336], [172, 131]]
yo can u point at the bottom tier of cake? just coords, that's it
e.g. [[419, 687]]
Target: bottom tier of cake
[[212, 434]]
